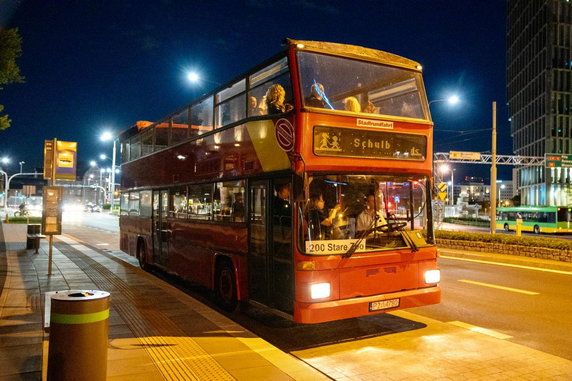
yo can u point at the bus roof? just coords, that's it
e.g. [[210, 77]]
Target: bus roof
[[357, 52]]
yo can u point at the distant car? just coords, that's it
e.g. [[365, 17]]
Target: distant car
[[92, 208]]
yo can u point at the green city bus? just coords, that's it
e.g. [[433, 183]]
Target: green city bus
[[537, 219]]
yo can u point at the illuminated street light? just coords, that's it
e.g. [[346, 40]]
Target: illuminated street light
[[5, 160], [193, 77], [92, 163], [107, 136], [452, 100]]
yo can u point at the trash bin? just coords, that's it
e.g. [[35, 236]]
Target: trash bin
[[78, 335], [32, 229]]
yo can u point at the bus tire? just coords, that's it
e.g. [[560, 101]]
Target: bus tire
[[225, 285], [506, 228], [142, 254], [536, 229]]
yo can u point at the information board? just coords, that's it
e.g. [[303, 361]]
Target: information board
[[52, 212]]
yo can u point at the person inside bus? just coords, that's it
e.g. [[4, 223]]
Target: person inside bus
[[253, 109], [352, 104], [238, 208], [366, 217], [321, 223], [281, 204], [275, 97], [316, 98], [369, 108]]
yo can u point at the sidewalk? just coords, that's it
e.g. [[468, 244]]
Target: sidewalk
[[156, 332]]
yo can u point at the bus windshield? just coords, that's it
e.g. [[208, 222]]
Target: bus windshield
[[343, 209], [345, 84]]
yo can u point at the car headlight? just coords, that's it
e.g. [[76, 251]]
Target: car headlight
[[432, 276], [320, 290]]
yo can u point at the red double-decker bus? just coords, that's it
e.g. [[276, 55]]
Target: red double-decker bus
[[303, 185]]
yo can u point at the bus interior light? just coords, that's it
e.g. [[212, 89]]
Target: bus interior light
[[432, 276], [320, 290]]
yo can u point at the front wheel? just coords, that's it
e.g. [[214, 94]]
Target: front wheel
[[506, 228], [536, 229], [225, 286]]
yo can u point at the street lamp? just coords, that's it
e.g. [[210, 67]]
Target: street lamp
[[21, 164], [452, 100], [500, 189], [107, 136]]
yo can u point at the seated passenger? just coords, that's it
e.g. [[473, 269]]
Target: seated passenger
[[252, 106], [275, 100], [352, 104], [320, 223], [316, 96], [369, 108]]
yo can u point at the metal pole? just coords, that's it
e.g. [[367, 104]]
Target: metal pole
[[53, 183], [112, 186], [493, 192], [100, 182]]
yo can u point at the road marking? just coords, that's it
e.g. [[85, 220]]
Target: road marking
[[508, 265], [485, 331], [101, 244], [499, 287]]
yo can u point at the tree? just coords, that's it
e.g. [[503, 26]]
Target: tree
[[10, 49]]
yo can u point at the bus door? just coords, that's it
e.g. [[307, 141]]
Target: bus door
[[160, 226], [269, 255]]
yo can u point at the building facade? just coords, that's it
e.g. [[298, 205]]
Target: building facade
[[539, 94]]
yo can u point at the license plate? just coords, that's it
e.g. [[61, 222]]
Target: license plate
[[383, 304]]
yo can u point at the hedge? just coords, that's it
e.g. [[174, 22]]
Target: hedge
[[541, 242]]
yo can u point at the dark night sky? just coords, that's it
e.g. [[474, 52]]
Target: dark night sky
[[96, 64]]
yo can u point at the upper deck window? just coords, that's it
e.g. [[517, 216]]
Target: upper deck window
[[338, 83]]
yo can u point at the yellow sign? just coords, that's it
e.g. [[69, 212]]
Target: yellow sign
[[460, 155], [48, 159], [66, 159], [52, 211], [442, 187], [442, 195]]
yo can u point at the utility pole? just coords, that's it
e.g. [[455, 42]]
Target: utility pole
[[493, 191]]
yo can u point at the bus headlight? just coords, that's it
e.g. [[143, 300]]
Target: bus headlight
[[320, 290], [432, 276]]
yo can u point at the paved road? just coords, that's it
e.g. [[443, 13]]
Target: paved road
[[522, 303], [526, 301]]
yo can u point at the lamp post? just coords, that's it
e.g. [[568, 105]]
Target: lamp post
[[500, 190], [106, 136], [452, 100], [21, 164], [493, 194]]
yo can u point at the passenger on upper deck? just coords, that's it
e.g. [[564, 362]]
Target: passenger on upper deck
[[369, 108], [316, 96], [275, 97], [352, 104]]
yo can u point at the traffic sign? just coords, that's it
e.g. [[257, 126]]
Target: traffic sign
[[558, 160], [442, 195], [442, 187], [460, 155], [284, 131]]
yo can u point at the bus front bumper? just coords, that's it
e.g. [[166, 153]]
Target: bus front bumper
[[320, 312]]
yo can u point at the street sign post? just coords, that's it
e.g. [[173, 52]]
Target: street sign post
[[52, 217], [558, 160]]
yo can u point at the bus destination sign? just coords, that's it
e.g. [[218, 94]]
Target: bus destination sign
[[345, 142]]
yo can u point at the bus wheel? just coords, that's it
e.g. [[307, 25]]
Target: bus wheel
[[141, 255], [225, 286], [536, 229], [506, 228]]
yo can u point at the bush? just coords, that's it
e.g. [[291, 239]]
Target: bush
[[106, 206], [24, 220], [467, 221], [540, 242]]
